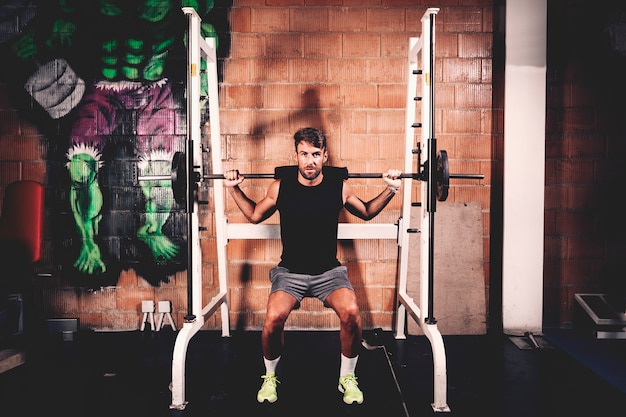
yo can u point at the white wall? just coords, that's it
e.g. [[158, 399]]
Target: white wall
[[524, 166]]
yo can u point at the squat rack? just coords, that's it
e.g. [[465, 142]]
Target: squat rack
[[201, 49]]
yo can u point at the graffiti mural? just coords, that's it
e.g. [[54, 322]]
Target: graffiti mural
[[108, 75]]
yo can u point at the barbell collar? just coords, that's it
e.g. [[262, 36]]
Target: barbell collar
[[154, 177], [468, 176]]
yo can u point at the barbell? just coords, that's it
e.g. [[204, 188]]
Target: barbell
[[179, 177]]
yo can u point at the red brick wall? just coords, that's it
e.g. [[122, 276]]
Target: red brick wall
[[342, 69], [335, 64]]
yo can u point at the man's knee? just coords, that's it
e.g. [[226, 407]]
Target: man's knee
[[349, 313], [353, 314], [274, 323], [277, 315]]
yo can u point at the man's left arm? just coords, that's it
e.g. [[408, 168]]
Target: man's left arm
[[370, 209]]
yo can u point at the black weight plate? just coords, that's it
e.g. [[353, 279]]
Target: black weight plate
[[443, 175], [179, 177]]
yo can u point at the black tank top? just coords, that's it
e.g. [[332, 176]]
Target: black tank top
[[309, 218]]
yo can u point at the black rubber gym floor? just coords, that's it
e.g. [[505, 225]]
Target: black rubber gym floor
[[118, 374]]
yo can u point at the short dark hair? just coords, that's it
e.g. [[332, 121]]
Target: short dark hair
[[310, 135]]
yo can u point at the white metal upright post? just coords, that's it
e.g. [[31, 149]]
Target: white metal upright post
[[199, 49], [421, 51]]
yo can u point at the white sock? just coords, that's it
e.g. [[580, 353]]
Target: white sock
[[348, 365], [270, 365]]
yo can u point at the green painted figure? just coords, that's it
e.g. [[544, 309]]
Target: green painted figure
[[130, 41]]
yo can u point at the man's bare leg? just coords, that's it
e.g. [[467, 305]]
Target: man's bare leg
[[279, 306], [344, 302]]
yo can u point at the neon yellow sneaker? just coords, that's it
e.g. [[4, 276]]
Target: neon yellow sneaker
[[350, 389], [268, 388]]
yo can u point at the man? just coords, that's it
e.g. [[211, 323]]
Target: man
[[309, 202]]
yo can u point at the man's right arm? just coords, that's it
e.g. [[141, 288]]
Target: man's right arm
[[253, 212]]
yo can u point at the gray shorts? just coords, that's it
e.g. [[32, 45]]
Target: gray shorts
[[303, 285]]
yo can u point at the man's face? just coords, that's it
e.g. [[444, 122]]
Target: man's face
[[310, 160]]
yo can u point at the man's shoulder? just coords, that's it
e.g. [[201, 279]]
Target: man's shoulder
[[286, 171], [339, 173]]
